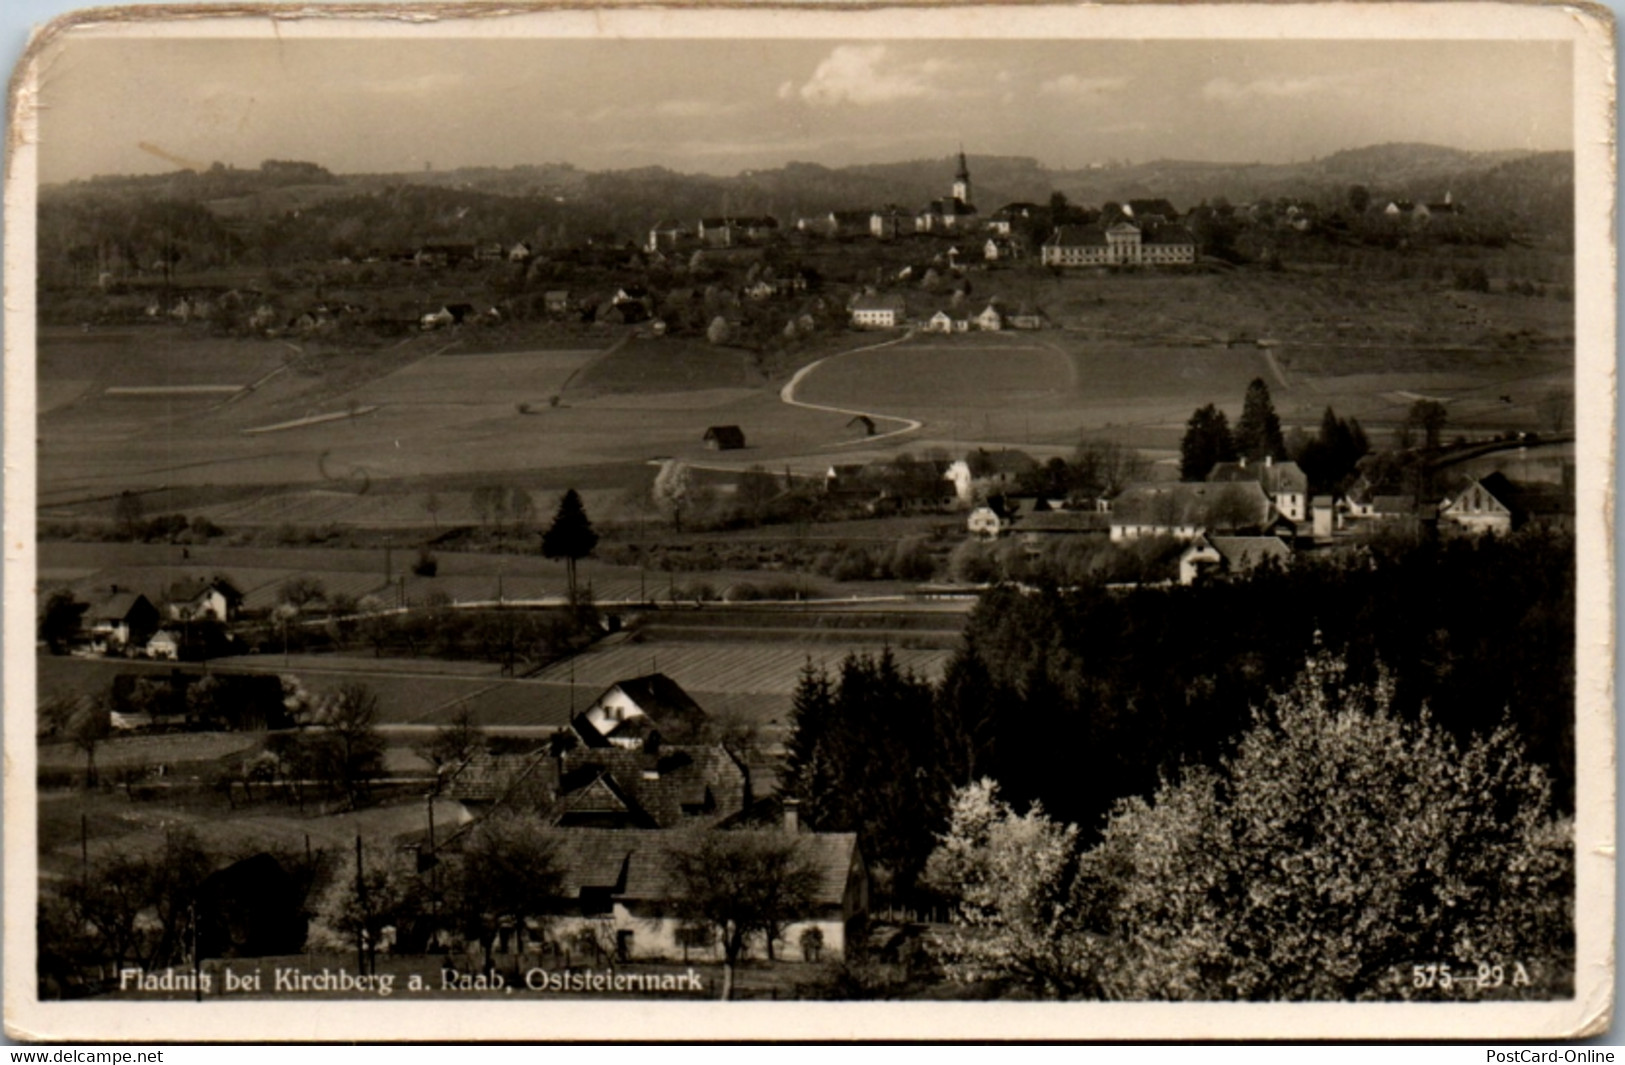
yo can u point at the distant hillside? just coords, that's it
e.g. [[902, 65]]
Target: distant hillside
[[289, 209]]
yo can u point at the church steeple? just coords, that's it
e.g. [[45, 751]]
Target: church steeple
[[962, 179]]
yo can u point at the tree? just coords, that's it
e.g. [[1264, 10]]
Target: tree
[[1258, 431], [60, 623], [510, 872], [673, 491], [741, 885], [367, 890], [351, 749], [451, 746], [1007, 874], [128, 511], [1359, 198], [1206, 443], [300, 592], [85, 721], [1102, 468], [570, 537], [431, 503], [718, 331], [1429, 416], [1337, 847]]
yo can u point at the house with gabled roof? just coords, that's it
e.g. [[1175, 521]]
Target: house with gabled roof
[[628, 710], [199, 597], [1284, 482], [622, 883], [879, 311], [120, 619], [1480, 505], [982, 471]]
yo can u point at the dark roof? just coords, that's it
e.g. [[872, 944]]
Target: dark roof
[[118, 606], [185, 591], [638, 864], [1187, 503], [488, 777], [1067, 521], [659, 788], [1243, 553], [882, 302], [1076, 236], [1275, 477], [666, 704], [1169, 235], [726, 436]]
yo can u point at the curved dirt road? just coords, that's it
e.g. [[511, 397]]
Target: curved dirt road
[[787, 394]]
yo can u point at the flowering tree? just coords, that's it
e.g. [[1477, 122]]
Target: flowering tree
[[1340, 853]]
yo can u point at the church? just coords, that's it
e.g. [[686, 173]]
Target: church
[[955, 214]]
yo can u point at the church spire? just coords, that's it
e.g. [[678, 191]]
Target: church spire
[[962, 178]]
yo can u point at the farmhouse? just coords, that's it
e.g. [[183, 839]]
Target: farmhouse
[[668, 235], [1230, 555], [121, 619], [624, 882], [1010, 215], [879, 311], [724, 438], [1186, 510], [556, 301], [1479, 506], [629, 710], [200, 598], [890, 222], [163, 645], [1284, 482], [983, 471], [655, 785]]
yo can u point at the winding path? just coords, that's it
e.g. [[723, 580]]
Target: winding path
[[787, 394]]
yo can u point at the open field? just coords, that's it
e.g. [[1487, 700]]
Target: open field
[[1133, 354], [748, 667]]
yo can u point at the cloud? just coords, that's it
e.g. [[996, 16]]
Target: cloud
[[869, 74], [1072, 85], [1230, 91]]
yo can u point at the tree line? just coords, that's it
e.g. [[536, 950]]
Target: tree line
[[1078, 699]]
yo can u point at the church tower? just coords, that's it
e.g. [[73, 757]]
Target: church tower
[[962, 180]]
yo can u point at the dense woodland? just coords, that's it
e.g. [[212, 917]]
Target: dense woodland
[[1082, 698]]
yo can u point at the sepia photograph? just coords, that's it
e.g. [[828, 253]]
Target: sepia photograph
[[1018, 521]]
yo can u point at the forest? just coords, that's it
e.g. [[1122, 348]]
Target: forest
[[1078, 699]]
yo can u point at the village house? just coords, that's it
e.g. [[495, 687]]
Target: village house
[[1026, 316], [621, 886], [1230, 556], [556, 301], [200, 598], [519, 252], [119, 620], [668, 235], [1186, 510], [1284, 482], [1480, 505], [944, 322], [1003, 221], [990, 319], [981, 473], [448, 315], [628, 710], [890, 222], [886, 311], [164, 646]]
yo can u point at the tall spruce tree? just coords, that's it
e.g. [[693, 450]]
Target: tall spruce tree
[[1207, 442], [570, 537], [1258, 432]]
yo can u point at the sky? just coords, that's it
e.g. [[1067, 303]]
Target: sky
[[723, 106]]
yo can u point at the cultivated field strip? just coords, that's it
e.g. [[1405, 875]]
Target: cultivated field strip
[[744, 667]]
